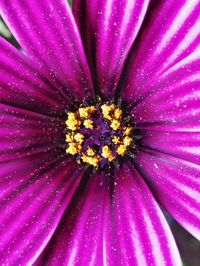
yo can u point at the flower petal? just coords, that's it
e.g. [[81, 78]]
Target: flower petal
[[184, 145], [176, 184], [47, 32], [109, 29], [170, 34], [23, 133], [113, 223], [22, 86], [34, 194], [174, 103]]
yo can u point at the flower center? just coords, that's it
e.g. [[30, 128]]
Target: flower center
[[98, 134]]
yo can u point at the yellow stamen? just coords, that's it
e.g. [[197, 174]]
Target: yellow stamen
[[69, 137], [88, 123], [127, 130], [72, 122], [108, 117], [79, 137], [107, 153], [116, 139], [121, 149], [71, 116], [90, 152], [84, 112], [127, 141], [92, 108], [72, 149], [118, 113], [115, 124], [91, 160], [106, 109]]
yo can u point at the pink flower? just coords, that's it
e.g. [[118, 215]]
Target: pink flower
[[57, 212]]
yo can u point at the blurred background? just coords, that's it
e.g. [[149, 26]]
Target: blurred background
[[188, 246]]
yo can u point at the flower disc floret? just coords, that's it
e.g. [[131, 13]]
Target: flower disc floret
[[98, 135]]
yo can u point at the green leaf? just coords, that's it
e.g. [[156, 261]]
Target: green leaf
[[4, 30]]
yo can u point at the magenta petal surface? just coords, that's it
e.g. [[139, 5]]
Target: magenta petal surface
[[22, 86], [47, 32], [23, 133], [34, 194], [170, 34], [115, 223], [176, 184], [109, 29], [173, 103], [184, 145]]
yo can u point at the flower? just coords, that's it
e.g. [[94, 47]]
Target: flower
[[56, 211]]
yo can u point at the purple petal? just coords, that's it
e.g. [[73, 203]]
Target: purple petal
[[170, 34], [22, 86], [176, 184], [109, 29], [113, 224], [47, 32], [184, 145], [174, 100], [34, 194], [23, 133]]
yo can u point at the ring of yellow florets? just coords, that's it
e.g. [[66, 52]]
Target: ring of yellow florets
[[97, 134]]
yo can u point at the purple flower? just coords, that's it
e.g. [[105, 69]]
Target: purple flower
[[55, 211]]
